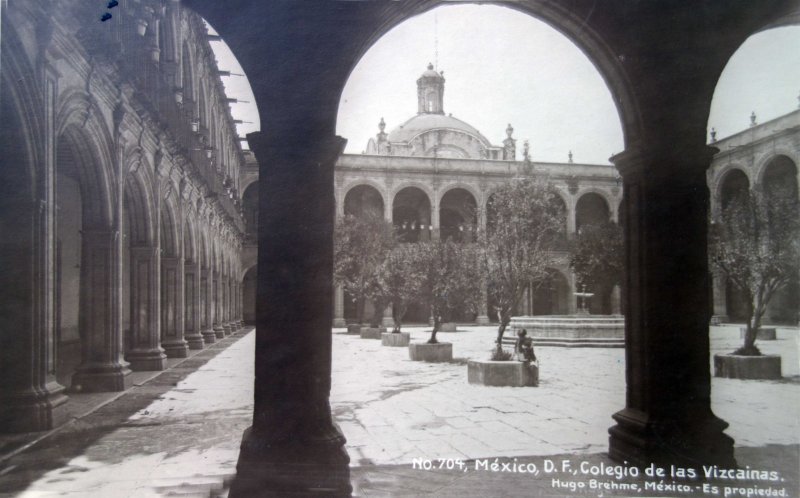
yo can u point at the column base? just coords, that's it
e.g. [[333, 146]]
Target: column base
[[339, 322], [694, 441], [482, 320], [101, 377], [33, 411], [142, 360], [296, 468], [219, 332], [195, 341], [719, 319], [176, 349], [209, 337]]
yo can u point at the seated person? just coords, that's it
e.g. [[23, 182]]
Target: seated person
[[523, 348]]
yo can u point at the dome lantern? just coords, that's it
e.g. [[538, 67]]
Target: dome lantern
[[430, 92]]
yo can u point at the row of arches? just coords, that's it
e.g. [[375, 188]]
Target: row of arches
[[459, 215]]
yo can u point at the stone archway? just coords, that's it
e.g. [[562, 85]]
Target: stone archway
[[664, 109]]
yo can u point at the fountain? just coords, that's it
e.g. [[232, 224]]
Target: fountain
[[579, 330]]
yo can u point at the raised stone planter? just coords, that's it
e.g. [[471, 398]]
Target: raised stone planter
[[502, 373], [734, 366], [354, 329], [763, 334], [448, 327], [398, 339], [372, 332], [422, 351]]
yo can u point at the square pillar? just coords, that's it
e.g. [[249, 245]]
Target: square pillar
[[192, 308], [294, 447], [219, 332], [101, 368], [172, 313], [145, 352], [667, 418], [338, 307], [206, 307]]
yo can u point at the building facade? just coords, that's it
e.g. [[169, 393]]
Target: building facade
[[121, 216]]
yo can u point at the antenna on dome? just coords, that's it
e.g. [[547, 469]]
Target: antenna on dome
[[436, 40]]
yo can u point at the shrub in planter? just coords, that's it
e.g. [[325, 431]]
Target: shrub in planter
[[756, 245]]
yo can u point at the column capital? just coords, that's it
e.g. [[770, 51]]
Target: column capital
[[680, 161], [270, 148]]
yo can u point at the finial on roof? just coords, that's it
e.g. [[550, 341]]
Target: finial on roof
[[570, 156], [430, 66], [382, 125], [753, 118], [509, 130], [713, 135], [526, 151]]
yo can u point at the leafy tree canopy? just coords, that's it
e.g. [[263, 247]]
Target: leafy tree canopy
[[756, 245], [526, 223]]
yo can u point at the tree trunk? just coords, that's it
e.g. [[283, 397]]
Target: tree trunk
[[398, 314], [436, 323], [377, 317], [505, 319], [753, 324]]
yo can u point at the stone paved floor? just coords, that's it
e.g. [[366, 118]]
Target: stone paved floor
[[179, 433]]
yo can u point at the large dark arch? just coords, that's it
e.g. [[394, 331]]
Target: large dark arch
[[591, 209], [250, 208], [734, 184], [411, 215], [362, 199], [458, 215]]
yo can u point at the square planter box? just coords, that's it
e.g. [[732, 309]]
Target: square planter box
[[733, 366], [400, 339], [448, 327], [372, 332], [502, 373], [354, 328], [763, 334], [422, 351]]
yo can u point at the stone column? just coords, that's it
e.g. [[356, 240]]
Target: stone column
[[145, 352], [101, 368], [293, 443], [435, 220], [172, 301], [225, 305], [338, 308], [572, 223], [192, 306], [219, 332], [30, 397], [720, 299], [667, 418], [483, 313], [207, 306]]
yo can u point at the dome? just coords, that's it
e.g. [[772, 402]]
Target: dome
[[422, 123]]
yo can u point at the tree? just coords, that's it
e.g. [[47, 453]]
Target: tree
[[756, 245], [401, 280], [361, 245], [451, 279], [526, 223], [597, 256]]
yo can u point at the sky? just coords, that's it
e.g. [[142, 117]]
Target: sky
[[504, 67]]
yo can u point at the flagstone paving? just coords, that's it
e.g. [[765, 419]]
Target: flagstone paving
[[178, 434]]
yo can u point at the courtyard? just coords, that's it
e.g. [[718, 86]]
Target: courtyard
[[177, 434]]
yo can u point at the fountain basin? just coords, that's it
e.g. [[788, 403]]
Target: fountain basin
[[583, 330]]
